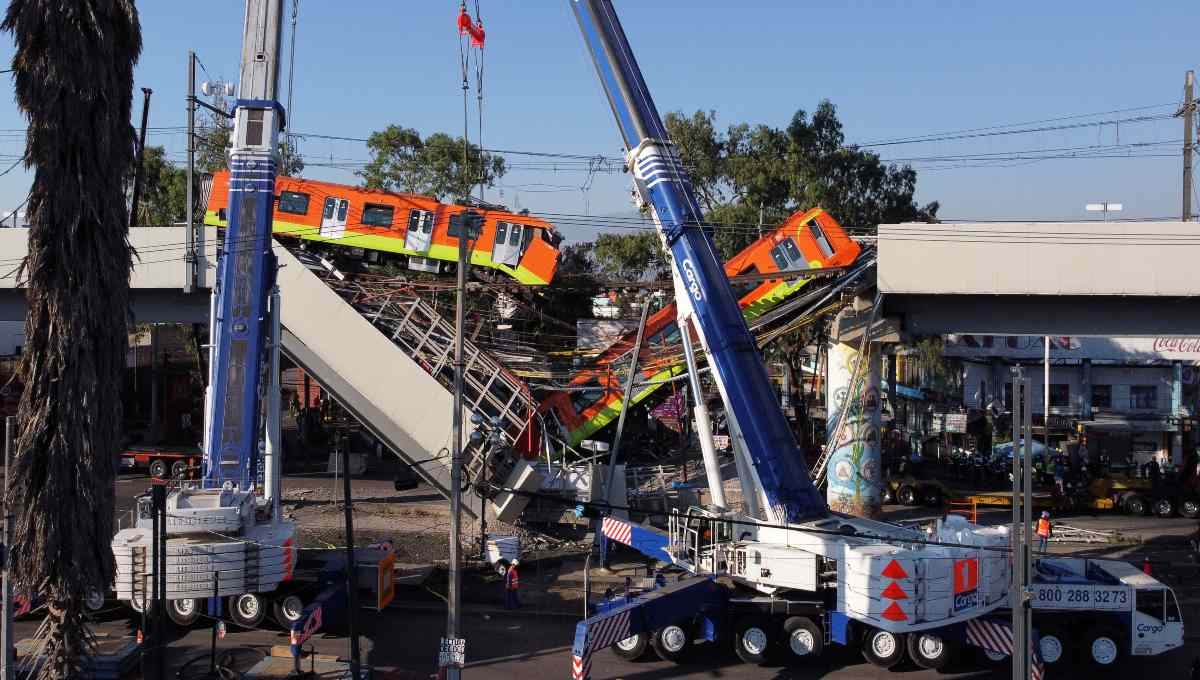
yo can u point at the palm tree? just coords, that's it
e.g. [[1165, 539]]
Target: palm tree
[[73, 69]]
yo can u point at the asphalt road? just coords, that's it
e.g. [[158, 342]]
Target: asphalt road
[[523, 647], [530, 647]]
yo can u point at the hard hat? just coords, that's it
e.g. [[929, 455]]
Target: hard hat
[[516, 562], [1045, 514]]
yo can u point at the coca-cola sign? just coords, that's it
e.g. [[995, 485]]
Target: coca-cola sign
[[1179, 345]]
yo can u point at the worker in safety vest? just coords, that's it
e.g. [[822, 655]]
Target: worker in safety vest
[[512, 582], [1043, 531]]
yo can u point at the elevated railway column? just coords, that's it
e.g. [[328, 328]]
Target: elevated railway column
[[854, 474]]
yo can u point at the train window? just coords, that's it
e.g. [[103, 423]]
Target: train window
[[586, 397], [514, 235], [822, 241], [780, 260], [377, 215], [420, 220], [293, 202], [552, 237], [501, 231], [330, 206], [527, 237], [342, 207]]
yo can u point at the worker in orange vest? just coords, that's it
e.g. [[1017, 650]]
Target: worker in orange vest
[[512, 582], [1043, 531]]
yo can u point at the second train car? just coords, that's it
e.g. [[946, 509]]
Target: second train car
[[417, 230], [810, 239]]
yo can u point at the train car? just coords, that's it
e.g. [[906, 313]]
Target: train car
[[807, 240], [418, 231]]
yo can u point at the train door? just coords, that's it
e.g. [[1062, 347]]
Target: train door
[[333, 217], [507, 247], [420, 230]]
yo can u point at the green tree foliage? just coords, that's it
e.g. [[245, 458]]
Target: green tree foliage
[[73, 76], [632, 256], [402, 161], [751, 167], [164, 190]]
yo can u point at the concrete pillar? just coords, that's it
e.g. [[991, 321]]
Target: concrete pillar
[[1176, 412], [1085, 386], [855, 472]]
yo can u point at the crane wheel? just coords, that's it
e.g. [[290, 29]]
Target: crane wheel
[[158, 469], [287, 610], [633, 648], [1101, 648], [183, 613], [672, 642], [179, 469], [247, 610], [907, 495], [803, 637], [752, 640], [1164, 507], [929, 651], [883, 649], [1190, 508], [1053, 645], [1136, 505]]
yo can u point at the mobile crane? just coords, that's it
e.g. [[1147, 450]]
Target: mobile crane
[[222, 541], [793, 574]]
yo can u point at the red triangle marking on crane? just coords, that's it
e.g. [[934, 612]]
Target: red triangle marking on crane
[[894, 570], [895, 592], [894, 613]]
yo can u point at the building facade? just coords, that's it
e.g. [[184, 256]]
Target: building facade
[[1128, 398]]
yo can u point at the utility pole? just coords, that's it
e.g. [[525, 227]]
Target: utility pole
[[189, 280], [1188, 112], [287, 120], [447, 661], [351, 565], [140, 171]]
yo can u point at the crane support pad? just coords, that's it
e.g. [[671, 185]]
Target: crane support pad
[[650, 542], [680, 600]]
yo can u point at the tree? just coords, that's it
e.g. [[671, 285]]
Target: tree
[[403, 161], [630, 256], [212, 137], [164, 190], [73, 69], [748, 168]]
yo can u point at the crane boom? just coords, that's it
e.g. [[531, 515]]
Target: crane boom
[[756, 422], [246, 270]]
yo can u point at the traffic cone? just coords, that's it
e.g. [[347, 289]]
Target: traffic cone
[[1146, 566]]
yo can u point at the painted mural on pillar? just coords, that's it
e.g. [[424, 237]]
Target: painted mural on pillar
[[855, 473]]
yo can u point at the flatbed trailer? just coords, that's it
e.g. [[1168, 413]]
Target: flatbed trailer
[[160, 461]]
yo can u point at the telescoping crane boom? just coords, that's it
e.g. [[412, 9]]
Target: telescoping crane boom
[[801, 573], [703, 292]]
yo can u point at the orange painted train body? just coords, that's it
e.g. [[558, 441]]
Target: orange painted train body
[[809, 239], [420, 230]]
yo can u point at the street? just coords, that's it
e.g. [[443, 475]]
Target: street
[[524, 647]]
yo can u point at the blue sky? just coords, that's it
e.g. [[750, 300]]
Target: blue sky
[[894, 69]]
